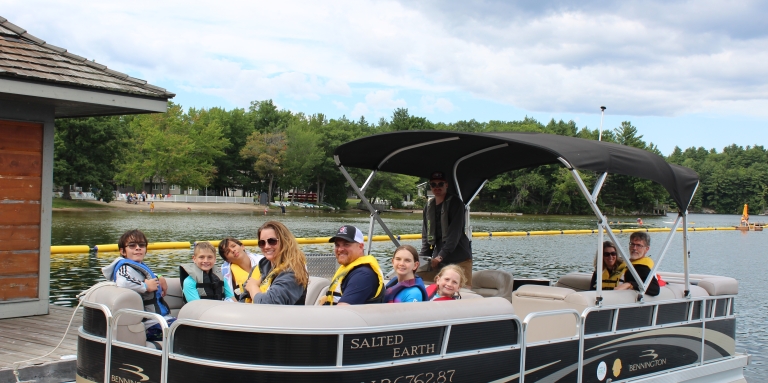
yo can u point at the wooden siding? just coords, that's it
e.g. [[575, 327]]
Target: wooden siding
[[21, 166]]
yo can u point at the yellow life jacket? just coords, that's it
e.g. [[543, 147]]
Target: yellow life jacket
[[645, 261], [264, 287], [334, 290], [241, 276], [611, 279]]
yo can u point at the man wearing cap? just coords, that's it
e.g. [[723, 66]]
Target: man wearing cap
[[359, 279], [442, 232]]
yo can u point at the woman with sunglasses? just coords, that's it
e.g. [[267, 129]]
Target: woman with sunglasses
[[239, 265], [284, 275], [613, 268]]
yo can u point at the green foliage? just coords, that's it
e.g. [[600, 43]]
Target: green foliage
[[84, 152], [172, 148], [264, 148]]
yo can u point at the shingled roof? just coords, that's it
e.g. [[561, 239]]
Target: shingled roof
[[26, 58]]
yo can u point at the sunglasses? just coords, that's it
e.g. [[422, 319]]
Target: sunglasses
[[270, 241], [134, 245], [609, 254], [437, 184]]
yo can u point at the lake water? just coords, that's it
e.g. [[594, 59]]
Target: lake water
[[729, 253]]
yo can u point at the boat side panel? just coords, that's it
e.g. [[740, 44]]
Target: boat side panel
[[498, 366], [90, 359], [264, 348], [721, 339], [473, 336]]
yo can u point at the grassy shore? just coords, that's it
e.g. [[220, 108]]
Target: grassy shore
[[59, 203]]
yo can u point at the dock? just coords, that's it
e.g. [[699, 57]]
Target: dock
[[34, 336]]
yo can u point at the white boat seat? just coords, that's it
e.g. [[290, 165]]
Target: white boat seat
[[713, 284], [575, 281], [317, 317], [130, 328], [493, 283], [533, 298], [174, 296], [316, 288]]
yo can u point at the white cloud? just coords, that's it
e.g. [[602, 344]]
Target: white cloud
[[429, 104], [339, 105], [359, 110], [652, 58]]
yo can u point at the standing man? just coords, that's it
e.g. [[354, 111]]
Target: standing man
[[639, 244], [359, 279], [443, 238]]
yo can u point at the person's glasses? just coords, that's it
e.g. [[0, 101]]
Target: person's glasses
[[134, 245], [437, 184], [270, 241], [609, 254], [636, 245]]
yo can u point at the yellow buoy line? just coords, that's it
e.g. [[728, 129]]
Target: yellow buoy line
[[305, 241]]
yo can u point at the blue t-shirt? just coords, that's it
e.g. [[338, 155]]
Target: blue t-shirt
[[359, 285], [411, 294]]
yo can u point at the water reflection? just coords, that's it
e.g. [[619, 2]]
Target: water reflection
[[728, 253]]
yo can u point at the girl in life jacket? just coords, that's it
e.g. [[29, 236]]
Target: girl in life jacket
[[447, 284], [407, 287], [199, 279]]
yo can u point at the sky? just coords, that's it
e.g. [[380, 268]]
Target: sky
[[685, 73]]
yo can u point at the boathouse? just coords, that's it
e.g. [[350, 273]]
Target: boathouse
[[40, 82]]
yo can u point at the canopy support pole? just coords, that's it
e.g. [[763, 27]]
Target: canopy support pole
[[468, 227], [368, 181], [686, 255], [604, 222], [664, 249], [598, 186], [599, 275], [370, 231], [367, 205]]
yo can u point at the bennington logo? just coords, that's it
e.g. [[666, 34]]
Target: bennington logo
[[134, 370], [655, 362]]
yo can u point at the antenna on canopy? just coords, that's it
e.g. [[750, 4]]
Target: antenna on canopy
[[602, 113]]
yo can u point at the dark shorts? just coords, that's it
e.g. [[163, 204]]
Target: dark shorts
[[155, 332]]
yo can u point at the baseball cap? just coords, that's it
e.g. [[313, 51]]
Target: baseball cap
[[438, 176], [348, 233]]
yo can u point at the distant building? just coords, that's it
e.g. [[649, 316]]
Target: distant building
[[38, 83]]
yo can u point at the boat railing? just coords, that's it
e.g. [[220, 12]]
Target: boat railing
[[540, 314], [592, 322], [147, 315], [607, 320]]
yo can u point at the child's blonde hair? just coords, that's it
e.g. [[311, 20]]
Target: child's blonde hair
[[457, 269], [202, 246]]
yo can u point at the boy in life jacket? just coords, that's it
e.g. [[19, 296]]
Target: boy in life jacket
[[129, 271], [447, 284], [199, 280]]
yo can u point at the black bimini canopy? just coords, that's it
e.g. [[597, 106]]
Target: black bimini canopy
[[476, 157]]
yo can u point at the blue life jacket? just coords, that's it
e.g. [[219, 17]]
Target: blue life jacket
[[155, 304]]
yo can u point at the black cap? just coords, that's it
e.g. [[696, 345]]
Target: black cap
[[438, 176], [349, 233]]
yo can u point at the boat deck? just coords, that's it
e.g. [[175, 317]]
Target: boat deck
[[30, 337]]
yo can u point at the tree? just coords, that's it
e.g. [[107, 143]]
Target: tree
[[171, 148], [84, 153], [268, 152], [302, 155]]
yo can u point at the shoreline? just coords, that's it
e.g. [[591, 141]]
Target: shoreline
[[161, 206]]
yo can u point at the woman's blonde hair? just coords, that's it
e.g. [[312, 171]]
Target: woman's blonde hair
[[606, 245], [457, 269], [289, 256]]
